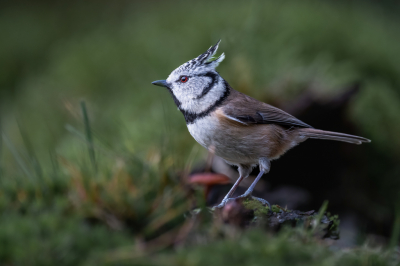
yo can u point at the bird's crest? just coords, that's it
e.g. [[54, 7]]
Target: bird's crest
[[205, 60]]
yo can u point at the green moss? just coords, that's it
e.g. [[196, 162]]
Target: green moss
[[258, 208], [335, 222], [275, 208]]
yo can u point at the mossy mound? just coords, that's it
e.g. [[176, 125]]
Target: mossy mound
[[252, 213]]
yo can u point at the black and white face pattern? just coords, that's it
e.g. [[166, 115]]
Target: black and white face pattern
[[196, 92], [195, 85]]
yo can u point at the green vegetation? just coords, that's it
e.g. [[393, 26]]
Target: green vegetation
[[257, 207], [257, 248], [93, 158]]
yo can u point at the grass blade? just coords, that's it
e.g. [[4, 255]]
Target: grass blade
[[321, 213], [1, 152], [88, 134], [31, 154], [17, 157]]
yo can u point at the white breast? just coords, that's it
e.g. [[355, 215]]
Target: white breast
[[203, 130]]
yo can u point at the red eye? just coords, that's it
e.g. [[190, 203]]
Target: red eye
[[184, 79]]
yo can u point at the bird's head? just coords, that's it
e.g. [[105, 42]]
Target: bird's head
[[196, 85]]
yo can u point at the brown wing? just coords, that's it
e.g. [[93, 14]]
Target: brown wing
[[246, 110]]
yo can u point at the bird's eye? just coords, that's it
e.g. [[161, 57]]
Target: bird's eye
[[184, 79]]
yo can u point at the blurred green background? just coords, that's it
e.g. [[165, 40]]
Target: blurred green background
[[70, 190]]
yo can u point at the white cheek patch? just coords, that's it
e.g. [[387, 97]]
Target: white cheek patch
[[190, 101], [190, 94], [197, 89], [190, 90]]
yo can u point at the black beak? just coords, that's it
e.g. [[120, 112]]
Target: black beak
[[161, 83]]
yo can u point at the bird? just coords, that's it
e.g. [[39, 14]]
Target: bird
[[241, 130]]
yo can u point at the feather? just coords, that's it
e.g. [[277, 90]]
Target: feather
[[321, 134], [204, 61], [250, 111]]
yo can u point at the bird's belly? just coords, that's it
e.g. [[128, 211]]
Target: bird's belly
[[210, 134]]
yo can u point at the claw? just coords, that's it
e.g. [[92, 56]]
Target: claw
[[225, 201], [245, 195], [218, 207], [222, 204], [263, 201]]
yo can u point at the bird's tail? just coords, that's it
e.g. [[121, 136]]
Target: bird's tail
[[321, 134]]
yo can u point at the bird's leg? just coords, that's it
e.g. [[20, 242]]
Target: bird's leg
[[243, 173], [251, 188], [230, 193], [264, 168]]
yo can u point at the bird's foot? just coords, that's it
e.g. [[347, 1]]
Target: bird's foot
[[263, 201], [222, 204], [245, 195], [248, 195]]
